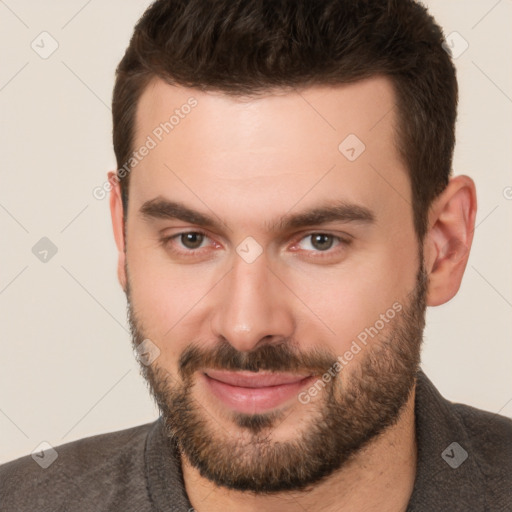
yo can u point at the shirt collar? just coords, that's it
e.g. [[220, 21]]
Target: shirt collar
[[166, 487], [442, 480]]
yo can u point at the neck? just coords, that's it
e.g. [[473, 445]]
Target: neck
[[386, 466]]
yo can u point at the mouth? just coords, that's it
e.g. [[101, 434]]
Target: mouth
[[252, 393]]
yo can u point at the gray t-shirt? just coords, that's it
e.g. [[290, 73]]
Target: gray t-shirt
[[464, 464]]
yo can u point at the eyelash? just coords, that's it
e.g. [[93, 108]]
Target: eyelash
[[166, 242]]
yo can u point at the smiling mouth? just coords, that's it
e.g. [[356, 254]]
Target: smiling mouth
[[253, 393]]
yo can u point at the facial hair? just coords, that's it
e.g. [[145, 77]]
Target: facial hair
[[349, 414]]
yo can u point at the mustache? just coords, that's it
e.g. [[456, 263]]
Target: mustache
[[277, 357]]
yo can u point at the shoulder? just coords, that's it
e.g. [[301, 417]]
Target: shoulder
[[464, 454], [491, 432], [490, 438], [107, 464]]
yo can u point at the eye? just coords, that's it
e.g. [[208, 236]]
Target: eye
[[319, 243], [185, 243], [192, 239]]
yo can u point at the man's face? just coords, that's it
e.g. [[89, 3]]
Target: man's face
[[332, 306]]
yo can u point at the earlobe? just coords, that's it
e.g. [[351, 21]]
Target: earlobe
[[449, 238], [117, 214]]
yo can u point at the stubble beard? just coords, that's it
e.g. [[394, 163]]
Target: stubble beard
[[349, 414]]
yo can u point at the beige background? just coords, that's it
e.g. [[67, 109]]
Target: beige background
[[67, 369]]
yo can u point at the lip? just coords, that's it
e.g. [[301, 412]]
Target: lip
[[253, 393]]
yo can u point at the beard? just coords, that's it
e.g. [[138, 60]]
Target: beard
[[349, 413]]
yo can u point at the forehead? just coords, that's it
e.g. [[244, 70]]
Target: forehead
[[269, 152]]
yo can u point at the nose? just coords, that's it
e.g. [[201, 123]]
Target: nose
[[253, 307]]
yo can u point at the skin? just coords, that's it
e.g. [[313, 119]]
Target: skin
[[248, 162]]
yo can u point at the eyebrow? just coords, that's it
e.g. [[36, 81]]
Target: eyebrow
[[340, 211]]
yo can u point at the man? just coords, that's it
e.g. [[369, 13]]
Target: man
[[284, 212]]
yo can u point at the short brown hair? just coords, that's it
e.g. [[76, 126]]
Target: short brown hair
[[247, 47]]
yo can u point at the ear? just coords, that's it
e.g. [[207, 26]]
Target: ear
[[449, 237], [116, 211]]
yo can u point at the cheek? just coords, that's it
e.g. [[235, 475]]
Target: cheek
[[364, 295], [164, 299], [163, 294], [164, 307]]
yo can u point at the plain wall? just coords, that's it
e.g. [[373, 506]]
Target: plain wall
[[67, 368]]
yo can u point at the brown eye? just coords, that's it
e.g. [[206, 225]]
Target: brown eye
[[319, 246], [188, 244], [192, 240], [321, 241]]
